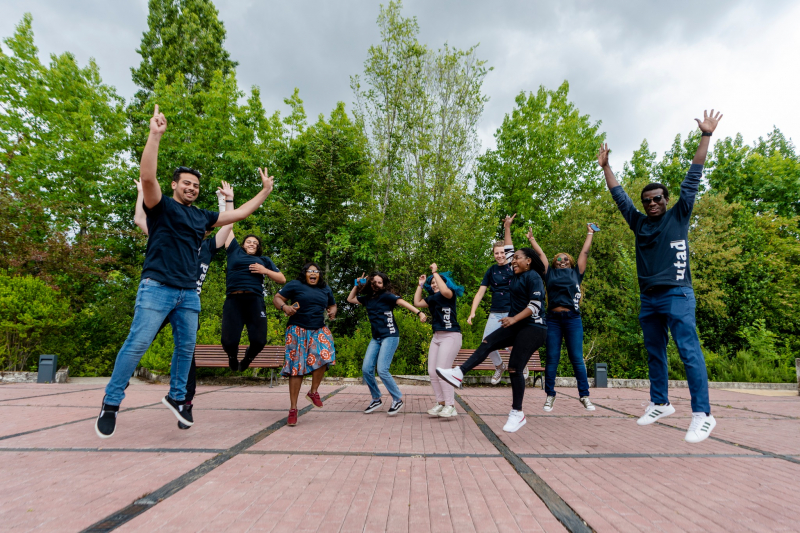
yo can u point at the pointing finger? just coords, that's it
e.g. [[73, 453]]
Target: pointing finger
[[155, 113]]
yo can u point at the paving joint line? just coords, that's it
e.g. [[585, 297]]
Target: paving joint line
[[129, 512], [565, 514], [51, 394], [6, 437], [413, 455], [773, 455]]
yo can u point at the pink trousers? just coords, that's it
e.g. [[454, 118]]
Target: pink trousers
[[444, 348]]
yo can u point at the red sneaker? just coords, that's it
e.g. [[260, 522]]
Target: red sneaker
[[292, 420], [315, 399]]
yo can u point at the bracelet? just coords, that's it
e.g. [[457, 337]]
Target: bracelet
[[231, 201], [706, 134]]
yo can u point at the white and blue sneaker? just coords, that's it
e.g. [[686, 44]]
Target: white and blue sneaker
[[655, 412]]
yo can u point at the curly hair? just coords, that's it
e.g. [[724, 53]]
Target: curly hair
[[367, 289], [458, 290], [301, 277], [536, 263]]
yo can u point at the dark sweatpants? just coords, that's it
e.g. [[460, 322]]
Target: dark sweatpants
[[240, 310], [525, 340]]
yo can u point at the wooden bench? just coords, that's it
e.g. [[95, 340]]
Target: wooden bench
[[214, 356], [534, 365]]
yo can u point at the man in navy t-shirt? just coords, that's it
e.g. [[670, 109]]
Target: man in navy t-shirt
[[665, 282], [168, 287]]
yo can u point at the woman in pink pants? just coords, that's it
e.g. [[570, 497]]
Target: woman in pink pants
[[446, 334]]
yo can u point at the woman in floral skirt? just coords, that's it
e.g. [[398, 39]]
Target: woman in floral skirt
[[309, 343]]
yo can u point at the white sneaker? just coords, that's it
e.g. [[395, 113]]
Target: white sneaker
[[498, 373], [700, 428], [516, 419], [587, 403], [548, 403], [448, 411], [436, 409], [654, 412], [453, 376]]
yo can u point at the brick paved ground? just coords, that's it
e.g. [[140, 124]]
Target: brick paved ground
[[240, 469]]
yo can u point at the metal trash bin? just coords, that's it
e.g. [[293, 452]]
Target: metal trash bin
[[48, 366], [601, 375]]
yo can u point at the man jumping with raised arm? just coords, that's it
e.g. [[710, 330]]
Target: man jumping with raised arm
[[665, 282], [168, 287]]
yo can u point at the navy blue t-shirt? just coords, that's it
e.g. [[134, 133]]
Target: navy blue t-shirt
[[176, 232], [381, 317], [527, 290], [662, 245], [239, 277], [313, 302], [497, 279], [443, 311], [563, 288], [207, 251]]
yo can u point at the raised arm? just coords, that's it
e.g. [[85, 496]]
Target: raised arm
[[602, 160], [476, 302], [224, 197], [139, 218], [418, 300], [352, 297], [443, 288], [507, 230], [584, 255], [537, 249], [149, 165], [405, 305], [249, 207], [707, 126]]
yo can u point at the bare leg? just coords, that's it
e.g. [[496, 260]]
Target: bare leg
[[316, 378], [295, 382]]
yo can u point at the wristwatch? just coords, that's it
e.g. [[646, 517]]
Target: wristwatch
[[706, 134]]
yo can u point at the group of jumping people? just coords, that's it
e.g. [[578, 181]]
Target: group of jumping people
[[535, 302]]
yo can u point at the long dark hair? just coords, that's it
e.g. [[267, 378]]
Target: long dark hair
[[302, 276], [536, 263], [259, 251], [368, 291]]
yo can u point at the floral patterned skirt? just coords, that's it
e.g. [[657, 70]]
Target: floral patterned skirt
[[307, 350]]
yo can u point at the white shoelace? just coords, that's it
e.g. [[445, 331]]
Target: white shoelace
[[697, 421]]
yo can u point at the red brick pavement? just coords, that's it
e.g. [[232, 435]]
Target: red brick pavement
[[283, 483]]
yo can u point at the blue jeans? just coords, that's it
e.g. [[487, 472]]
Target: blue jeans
[[380, 353], [673, 308], [154, 303], [565, 325], [492, 325]]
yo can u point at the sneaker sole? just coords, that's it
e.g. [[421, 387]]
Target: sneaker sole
[[456, 384], [649, 420], [181, 425], [97, 430], [546, 410], [524, 421], [368, 410], [177, 413], [433, 414], [455, 414], [312, 403], [708, 434]]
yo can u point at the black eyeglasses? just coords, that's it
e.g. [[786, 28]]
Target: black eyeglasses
[[656, 199], [312, 271]]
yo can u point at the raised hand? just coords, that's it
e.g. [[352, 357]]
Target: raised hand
[[602, 157], [362, 276], [509, 220], [158, 123], [434, 268], [529, 235], [710, 121], [267, 181], [138, 185], [589, 225], [226, 190], [422, 279]]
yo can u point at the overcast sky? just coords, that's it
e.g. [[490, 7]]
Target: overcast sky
[[645, 69]]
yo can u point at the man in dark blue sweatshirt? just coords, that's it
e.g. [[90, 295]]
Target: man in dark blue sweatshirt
[[665, 282]]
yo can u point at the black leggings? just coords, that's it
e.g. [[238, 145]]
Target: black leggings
[[240, 310], [525, 339]]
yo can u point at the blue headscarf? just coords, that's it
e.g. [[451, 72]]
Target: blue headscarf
[[458, 290]]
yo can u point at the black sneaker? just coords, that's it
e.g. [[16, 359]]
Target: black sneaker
[[373, 406], [233, 363], [187, 411], [179, 410], [395, 408], [244, 364], [107, 421]]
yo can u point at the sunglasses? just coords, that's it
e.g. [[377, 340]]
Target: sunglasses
[[562, 260], [656, 199], [312, 271]]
